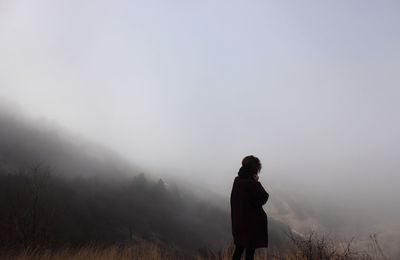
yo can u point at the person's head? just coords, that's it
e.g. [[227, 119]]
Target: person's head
[[251, 164]]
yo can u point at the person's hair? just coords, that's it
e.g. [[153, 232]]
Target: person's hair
[[251, 163]]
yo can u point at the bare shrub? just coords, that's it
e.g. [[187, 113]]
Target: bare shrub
[[314, 246]]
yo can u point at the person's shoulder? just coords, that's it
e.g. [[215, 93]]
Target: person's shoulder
[[252, 183], [246, 181]]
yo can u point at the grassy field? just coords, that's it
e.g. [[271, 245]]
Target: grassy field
[[308, 248]]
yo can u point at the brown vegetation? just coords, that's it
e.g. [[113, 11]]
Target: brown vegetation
[[321, 246], [311, 247]]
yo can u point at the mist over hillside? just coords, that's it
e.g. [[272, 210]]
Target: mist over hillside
[[115, 200], [25, 141], [81, 193]]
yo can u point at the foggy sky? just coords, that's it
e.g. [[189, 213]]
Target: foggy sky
[[190, 87]]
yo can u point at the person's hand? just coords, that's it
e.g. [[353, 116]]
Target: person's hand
[[255, 177]]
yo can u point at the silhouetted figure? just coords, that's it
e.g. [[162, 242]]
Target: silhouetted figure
[[249, 220]]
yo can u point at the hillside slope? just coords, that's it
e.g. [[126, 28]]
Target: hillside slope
[[58, 190]]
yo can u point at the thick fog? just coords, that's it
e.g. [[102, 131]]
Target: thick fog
[[187, 88]]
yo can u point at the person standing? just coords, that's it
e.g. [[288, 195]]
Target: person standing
[[249, 220]]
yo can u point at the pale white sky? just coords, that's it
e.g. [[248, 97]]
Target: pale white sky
[[190, 87]]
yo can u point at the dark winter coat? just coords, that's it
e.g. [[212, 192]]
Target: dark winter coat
[[249, 220]]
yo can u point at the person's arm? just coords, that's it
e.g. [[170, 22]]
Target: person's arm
[[258, 194]]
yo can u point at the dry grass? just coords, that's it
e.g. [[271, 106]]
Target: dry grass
[[144, 251], [311, 247], [150, 253]]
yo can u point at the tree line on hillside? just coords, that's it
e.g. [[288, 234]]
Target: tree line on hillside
[[40, 208]]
